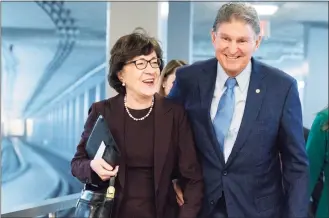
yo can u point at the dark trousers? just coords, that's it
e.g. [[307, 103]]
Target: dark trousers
[[220, 209]]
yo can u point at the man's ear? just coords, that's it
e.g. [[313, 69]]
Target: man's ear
[[258, 41], [212, 35]]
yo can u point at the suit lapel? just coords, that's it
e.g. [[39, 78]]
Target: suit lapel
[[163, 121], [207, 87], [256, 93], [207, 83]]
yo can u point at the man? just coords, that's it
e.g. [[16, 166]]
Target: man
[[244, 114]]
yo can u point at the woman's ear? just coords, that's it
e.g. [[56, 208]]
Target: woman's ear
[[120, 76], [164, 83]]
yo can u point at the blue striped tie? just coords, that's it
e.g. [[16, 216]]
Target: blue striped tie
[[224, 112]]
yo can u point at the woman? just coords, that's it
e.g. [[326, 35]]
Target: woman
[[169, 75], [317, 148], [153, 134]]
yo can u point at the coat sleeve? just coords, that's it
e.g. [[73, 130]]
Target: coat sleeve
[[293, 156], [190, 170], [316, 149], [80, 164]]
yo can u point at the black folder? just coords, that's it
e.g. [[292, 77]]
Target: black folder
[[101, 133]]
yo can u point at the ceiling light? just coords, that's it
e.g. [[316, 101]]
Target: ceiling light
[[164, 9], [266, 10]]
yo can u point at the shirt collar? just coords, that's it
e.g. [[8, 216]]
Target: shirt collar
[[242, 79]]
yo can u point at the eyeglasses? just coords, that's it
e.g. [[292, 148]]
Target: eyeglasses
[[141, 64]]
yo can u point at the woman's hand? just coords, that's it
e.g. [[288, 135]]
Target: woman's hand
[[103, 169], [179, 193]]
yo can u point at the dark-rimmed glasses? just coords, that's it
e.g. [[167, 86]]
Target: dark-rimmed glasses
[[141, 64]]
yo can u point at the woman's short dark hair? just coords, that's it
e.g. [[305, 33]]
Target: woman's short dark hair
[[125, 49]]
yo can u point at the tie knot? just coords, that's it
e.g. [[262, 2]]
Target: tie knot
[[230, 83]]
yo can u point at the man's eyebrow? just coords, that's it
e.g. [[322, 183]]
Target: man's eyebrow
[[239, 37], [224, 35]]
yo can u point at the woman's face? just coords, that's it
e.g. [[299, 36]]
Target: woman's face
[[168, 83], [141, 75]]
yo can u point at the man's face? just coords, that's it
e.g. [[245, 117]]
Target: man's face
[[234, 44]]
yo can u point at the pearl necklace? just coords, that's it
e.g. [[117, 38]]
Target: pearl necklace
[[138, 119]]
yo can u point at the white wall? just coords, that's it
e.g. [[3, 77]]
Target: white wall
[[316, 82]]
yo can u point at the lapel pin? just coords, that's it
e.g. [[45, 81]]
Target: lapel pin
[[257, 91]]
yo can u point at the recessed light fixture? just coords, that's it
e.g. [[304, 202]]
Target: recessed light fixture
[[266, 10]]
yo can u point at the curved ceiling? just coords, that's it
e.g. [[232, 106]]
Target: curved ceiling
[[24, 15], [33, 39], [30, 40]]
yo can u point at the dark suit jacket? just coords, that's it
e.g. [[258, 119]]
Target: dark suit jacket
[[306, 133], [173, 149], [272, 123]]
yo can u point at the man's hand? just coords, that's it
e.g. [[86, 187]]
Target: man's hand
[[179, 193]]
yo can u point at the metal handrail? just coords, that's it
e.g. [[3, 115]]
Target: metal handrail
[[67, 91], [49, 206]]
